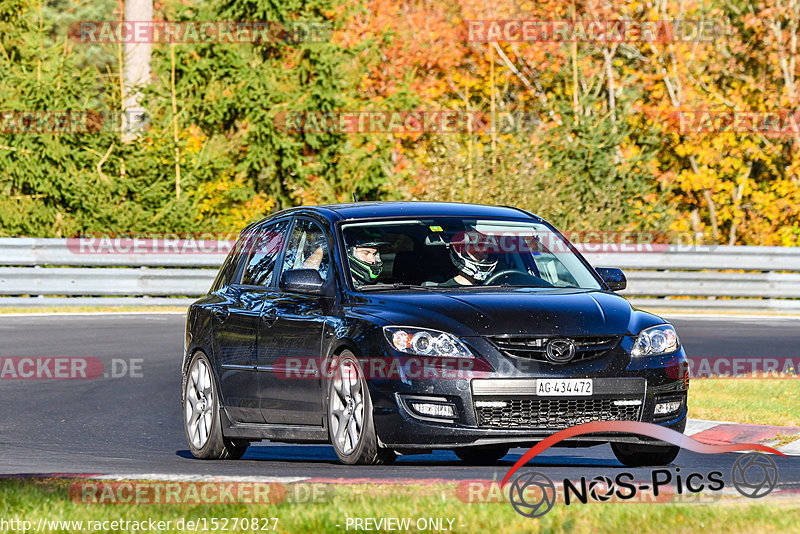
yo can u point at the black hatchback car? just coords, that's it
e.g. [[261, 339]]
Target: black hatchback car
[[390, 328]]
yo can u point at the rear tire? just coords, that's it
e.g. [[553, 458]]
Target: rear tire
[[350, 424], [201, 415], [644, 455], [483, 455]]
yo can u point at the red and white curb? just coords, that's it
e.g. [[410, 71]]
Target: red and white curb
[[724, 433]]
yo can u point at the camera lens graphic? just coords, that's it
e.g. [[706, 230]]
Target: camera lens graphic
[[601, 488], [536, 486], [754, 475]]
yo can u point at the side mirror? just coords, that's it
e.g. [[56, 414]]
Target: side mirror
[[306, 281], [614, 278]]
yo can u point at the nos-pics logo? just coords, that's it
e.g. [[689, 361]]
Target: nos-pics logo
[[533, 493]]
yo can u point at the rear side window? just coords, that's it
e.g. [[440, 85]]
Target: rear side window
[[228, 269], [264, 247]]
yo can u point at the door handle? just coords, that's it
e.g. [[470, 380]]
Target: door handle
[[269, 316], [220, 313]]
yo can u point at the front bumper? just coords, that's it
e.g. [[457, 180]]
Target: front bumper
[[526, 418]]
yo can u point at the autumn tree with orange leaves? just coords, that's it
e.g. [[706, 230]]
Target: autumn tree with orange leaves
[[589, 133]]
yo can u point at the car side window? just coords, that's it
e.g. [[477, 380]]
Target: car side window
[[228, 269], [264, 247], [308, 249], [552, 270]]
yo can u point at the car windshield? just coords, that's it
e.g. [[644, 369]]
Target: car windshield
[[457, 253]]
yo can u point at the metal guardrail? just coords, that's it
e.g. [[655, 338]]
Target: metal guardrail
[[27, 251], [708, 278], [56, 272], [118, 282], [694, 258]]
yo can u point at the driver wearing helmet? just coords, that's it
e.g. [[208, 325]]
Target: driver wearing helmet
[[365, 258], [470, 254]]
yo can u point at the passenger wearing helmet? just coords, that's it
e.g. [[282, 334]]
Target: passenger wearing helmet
[[470, 254], [365, 258]]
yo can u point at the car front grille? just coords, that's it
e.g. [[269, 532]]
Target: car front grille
[[533, 348], [554, 414]]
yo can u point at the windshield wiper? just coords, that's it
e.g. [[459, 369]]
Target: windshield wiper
[[397, 285]]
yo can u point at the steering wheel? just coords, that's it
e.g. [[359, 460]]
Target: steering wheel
[[510, 273]]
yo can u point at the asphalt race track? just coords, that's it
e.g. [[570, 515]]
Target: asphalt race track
[[132, 425]]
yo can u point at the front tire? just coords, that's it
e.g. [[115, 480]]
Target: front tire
[[201, 417], [350, 424], [644, 455]]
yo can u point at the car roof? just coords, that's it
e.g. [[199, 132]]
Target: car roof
[[360, 210], [387, 209]]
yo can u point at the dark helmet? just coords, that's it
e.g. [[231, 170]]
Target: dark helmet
[[364, 272], [469, 252]]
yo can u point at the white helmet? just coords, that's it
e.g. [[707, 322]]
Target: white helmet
[[469, 253]]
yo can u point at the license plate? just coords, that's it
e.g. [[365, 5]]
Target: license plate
[[563, 387]]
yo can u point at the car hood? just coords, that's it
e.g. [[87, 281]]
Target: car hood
[[512, 311]]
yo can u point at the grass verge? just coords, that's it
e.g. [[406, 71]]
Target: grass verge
[[30, 500], [758, 401]]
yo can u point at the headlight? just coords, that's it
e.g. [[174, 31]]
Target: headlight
[[424, 342], [656, 340]]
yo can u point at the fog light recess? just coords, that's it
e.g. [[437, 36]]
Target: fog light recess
[[433, 409], [668, 407]]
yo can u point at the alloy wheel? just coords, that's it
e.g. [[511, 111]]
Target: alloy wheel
[[347, 408], [199, 406]]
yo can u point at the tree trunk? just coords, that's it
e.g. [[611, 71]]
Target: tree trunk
[[737, 203], [136, 73]]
